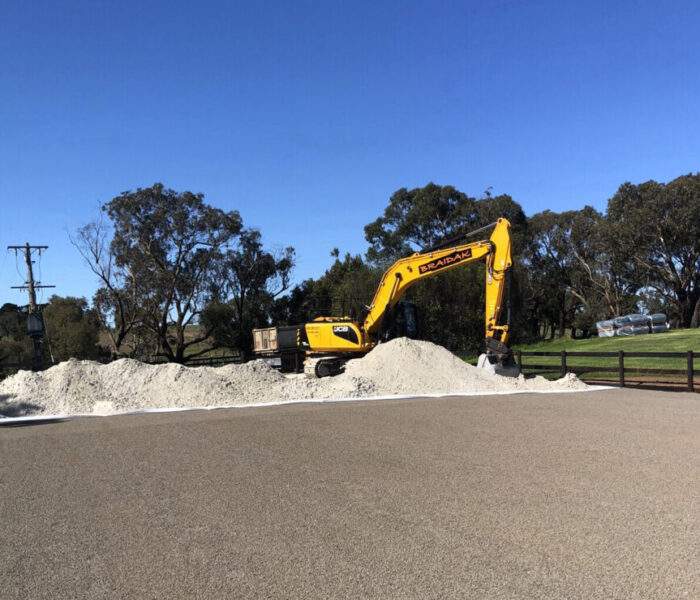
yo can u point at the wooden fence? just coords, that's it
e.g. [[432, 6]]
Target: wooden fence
[[688, 374], [620, 370], [212, 361]]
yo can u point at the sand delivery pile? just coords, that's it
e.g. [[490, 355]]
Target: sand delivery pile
[[399, 367]]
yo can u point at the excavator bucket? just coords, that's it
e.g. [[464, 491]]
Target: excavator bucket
[[498, 359], [507, 367]]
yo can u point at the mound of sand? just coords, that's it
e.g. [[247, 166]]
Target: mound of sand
[[399, 367]]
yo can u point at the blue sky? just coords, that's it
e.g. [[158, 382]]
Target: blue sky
[[307, 116]]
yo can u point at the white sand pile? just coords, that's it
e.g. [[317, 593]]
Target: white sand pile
[[399, 367]]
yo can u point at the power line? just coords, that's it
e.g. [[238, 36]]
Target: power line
[[17, 266]]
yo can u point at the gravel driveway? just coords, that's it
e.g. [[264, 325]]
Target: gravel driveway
[[580, 495]]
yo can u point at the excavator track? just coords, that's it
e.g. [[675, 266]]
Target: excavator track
[[324, 366]]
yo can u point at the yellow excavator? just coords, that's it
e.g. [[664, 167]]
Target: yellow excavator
[[327, 343]]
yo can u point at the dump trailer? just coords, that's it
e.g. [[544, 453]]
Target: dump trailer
[[279, 347]]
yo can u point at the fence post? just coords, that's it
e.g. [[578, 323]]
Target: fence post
[[691, 383], [519, 355], [563, 363], [621, 365]]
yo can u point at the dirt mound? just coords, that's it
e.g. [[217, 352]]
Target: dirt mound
[[405, 366], [399, 367]]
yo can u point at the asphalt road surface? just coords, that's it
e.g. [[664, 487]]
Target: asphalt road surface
[[585, 495]]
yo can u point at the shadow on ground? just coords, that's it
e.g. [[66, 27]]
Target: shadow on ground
[[17, 409]]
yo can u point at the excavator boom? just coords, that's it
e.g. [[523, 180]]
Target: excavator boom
[[496, 251]]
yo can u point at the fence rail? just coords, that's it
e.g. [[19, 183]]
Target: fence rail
[[564, 367]]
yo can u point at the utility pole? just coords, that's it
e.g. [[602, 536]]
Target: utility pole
[[35, 320]]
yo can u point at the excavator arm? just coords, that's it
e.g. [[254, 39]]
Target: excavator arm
[[496, 251]]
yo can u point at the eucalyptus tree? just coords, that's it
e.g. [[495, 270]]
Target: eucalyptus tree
[[657, 227], [171, 244]]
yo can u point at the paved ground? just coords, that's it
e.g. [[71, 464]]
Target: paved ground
[[532, 496]]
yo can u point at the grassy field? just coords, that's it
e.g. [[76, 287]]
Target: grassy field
[[673, 341], [679, 340]]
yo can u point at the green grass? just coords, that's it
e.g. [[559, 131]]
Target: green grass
[[680, 340]]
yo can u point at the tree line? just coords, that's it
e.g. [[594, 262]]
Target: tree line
[[179, 278]]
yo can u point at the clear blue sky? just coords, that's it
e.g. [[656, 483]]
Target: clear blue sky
[[307, 116]]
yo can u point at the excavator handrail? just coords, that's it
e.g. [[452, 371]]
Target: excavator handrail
[[449, 242]]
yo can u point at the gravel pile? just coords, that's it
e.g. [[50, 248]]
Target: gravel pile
[[399, 367]]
